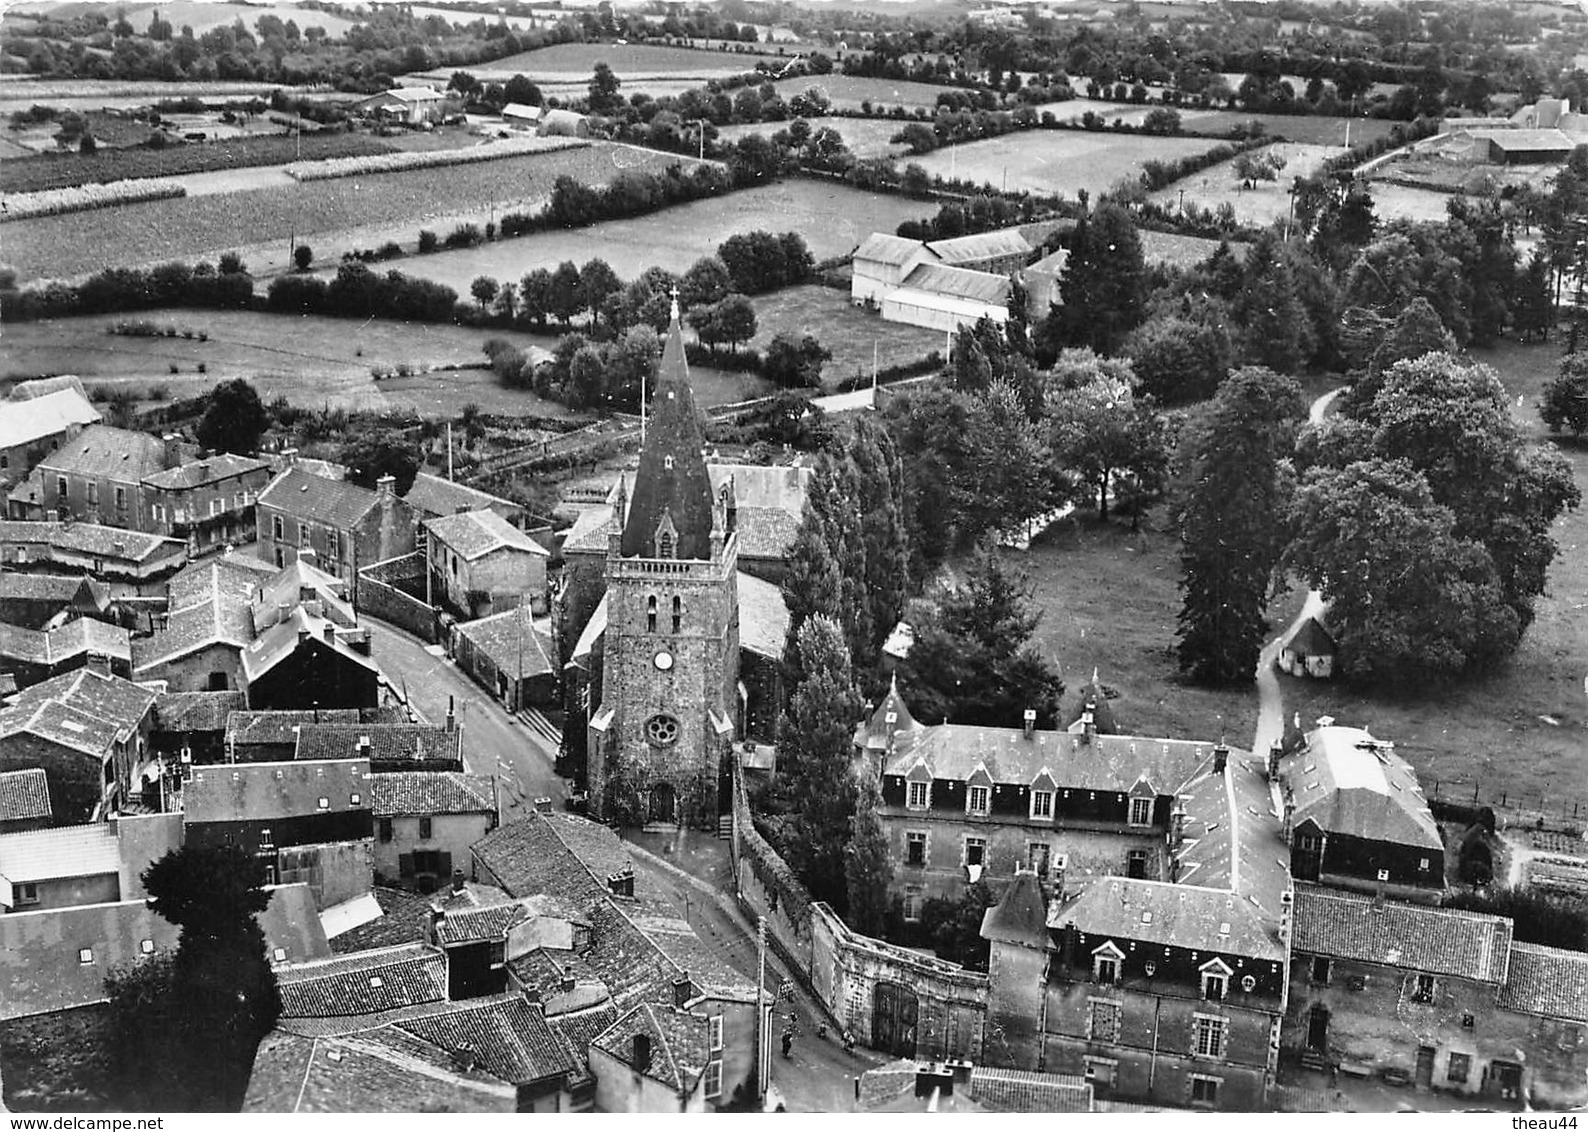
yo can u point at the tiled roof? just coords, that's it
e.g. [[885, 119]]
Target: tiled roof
[[1546, 980], [511, 1038], [388, 742], [1172, 915], [276, 727], [1013, 1090], [54, 854], [1347, 782], [511, 641], [80, 636], [474, 534], [202, 616], [112, 453], [281, 641], [369, 982], [580, 1027], [1020, 916], [557, 853], [1413, 937], [113, 543], [431, 792], [404, 919], [196, 711], [24, 794], [763, 617], [42, 970], [958, 283], [679, 1042], [953, 751], [62, 588], [980, 246], [336, 503], [263, 791], [381, 1071], [881, 247], [83, 710], [470, 925], [32, 419], [211, 469], [299, 583]]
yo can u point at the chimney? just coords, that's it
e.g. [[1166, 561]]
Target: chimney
[[1221, 758], [330, 633], [567, 984], [363, 746], [683, 990], [289, 457], [303, 636], [1288, 826], [1378, 888], [452, 718], [385, 487], [173, 449], [1275, 751], [118, 547], [98, 662], [457, 881], [1088, 723], [1030, 723], [641, 1060], [1177, 824], [1056, 876], [464, 1057], [621, 884], [309, 556]]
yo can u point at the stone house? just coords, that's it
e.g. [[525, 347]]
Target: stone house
[[658, 1059], [33, 601], [432, 497], [424, 821], [98, 476], [347, 526], [32, 655], [307, 662], [38, 417], [97, 863], [484, 564], [206, 503], [390, 747], [24, 800], [509, 657], [129, 563]]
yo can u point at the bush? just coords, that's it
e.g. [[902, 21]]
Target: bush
[[464, 236], [427, 241]]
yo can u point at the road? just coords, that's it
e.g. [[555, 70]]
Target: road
[[494, 741]]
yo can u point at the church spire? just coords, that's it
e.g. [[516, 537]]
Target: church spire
[[672, 483]]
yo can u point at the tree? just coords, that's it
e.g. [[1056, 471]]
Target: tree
[[522, 91], [1234, 486], [1008, 469], [707, 281], [811, 585], [562, 296], [604, 90], [1161, 120], [734, 320], [1564, 407], [795, 363], [378, 452], [815, 777], [954, 926], [1533, 310], [1416, 331], [534, 295], [878, 481], [302, 256], [1177, 358], [231, 263], [597, 280], [1104, 281], [484, 289], [234, 418], [1096, 426]]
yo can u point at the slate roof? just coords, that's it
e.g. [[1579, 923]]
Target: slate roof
[[280, 727], [431, 792], [388, 742], [1546, 980], [474, 534], [300, 583], [953, 751], [763, 617], [680, 1044], [1528, 141], [78, 637], [211, 469], [382, 1071], [281, 641], [981, 246], [196, 711], [265, 791], [370, 982], [1311, 639], [436, 496], [54, 854], [1020, 916], [100, 451], [24, 794], [876, 733], [336, 503], [83, 710], [115, 543], [1014, 1090], [28, 419], [959, 283], [1347, 782], [41, 970], [882, 247], [62, 588], [1172, 915], [511, 639], [1413, 937]]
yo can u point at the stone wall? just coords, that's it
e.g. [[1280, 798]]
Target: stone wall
[[379, 596], [768, 887]]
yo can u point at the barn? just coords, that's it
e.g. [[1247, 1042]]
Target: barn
[[946, 298]]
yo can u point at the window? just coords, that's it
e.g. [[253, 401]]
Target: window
[[650, 614], [919, 796], [1460, 1068], [678, 613], [85, 955], [1214, 986], [1105, 969], [912, 903], [215, 507], [1208, 1035], [1037, 854], [1468, 1021], [121, 499], [975, 851], [325, 803], [1204, 1090], [424, 829], [1423, 989], [1320, 970], [60, 486], [1042, 803], [265, 841], [385, 829], [1136, 864], [915, 848], [661, 731], [666, 545], [303, 534], [713, 1079], [275, 528], [27, 893], [93, 491], [1422, 864], [158, 512], [1141, 811], [354, 799], [714, 1031], [1103, 1023], [978, 799], [280, 558]]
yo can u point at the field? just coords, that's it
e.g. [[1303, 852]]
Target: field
[[203, 15], [1307, 130], [1053, 162], [1181, 251], [833, 218], [93, 94], [338, 215], [1522, 731], [567, 61], [865, 137], [849, 91], [1399, 202], [313, 361], [847, 330], [1268, 202]]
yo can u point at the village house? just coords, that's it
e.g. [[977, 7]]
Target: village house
[[191, 726], [199, 640], [308, 821], [34, 601], [98, 863], [129, 563], [389, 746], [24, 800], [308, 662], [98, 476], [409, 106], [33, 655], [36, 418], [484, 565], [90, 734], [207, 503], [426, 820], [347, 526], [272, 736], [509, 657], [431, 497]]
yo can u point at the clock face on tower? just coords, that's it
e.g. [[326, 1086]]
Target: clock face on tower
[[664, 660]]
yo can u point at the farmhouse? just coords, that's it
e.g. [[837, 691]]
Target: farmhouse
[[36, 419], [411, 106], [1522, 147], [484, 563], [347, 526]]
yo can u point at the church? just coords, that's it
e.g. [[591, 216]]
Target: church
[[676, 667]]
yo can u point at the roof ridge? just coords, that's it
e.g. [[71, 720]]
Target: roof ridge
[[308, 1067]]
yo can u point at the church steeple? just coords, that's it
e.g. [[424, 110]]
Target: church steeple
[[671, 512]]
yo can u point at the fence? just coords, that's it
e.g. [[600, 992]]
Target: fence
[[1552, 811], [378, 594]]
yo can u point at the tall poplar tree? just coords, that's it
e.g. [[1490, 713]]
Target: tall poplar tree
[[867, 871]]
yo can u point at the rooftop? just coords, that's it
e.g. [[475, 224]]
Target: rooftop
[[61, 588], [680, 1044], [387, 742], [280, 727], [1548, 981], [512, 642], [436, 496], [882, 247], [24, 794], [263, 791], [28, 420], [281, 641], [474, 534], [336, 503], [100, 451], [981, 246], [196, 711], [115, 544], [1413, 937], [431, 792], [84, 710], [77, 637], [210, 469], [1347, 782], [369, 982], [958, 283], [202, 616], [55, 854]]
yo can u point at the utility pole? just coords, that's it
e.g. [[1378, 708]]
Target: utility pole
[[449, 451], [763, 1037]]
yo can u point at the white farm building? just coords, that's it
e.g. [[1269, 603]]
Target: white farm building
[[916, 283], [946, 298]]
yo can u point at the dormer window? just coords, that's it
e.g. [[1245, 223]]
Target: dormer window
[[1215, 980], [1141, 811], [919, 796], [667, 463], [1105, 964], [1042, 803], [978, 799]]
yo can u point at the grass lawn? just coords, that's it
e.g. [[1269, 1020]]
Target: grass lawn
[[1400, 202], [1054, 162], [847, 330], [865, 137], [852, 90], [833, 218], [1261, 206]]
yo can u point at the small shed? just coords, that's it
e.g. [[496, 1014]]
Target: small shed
[[1309, 652], [564, 123], [520, 115]]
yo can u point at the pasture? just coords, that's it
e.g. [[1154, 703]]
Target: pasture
[[850, 332], [335, 215], [1261, 206], [205, 15], [569, 61], [865, 137], [833, 218], [1055, 162], [1401, 202], [851, 91], [93, 94], [1302, 128]]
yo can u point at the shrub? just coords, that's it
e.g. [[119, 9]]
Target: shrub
[[427, 241]]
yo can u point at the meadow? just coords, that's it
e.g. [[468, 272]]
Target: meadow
[[1268, 202], [850, 332], [567, 61], [1302, 128], [850, 91], [1055, 162], [94, 94]]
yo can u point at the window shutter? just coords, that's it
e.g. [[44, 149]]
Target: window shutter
[[405, 864], [444, 864]]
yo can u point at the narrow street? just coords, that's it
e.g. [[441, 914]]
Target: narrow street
[[495, 742]]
